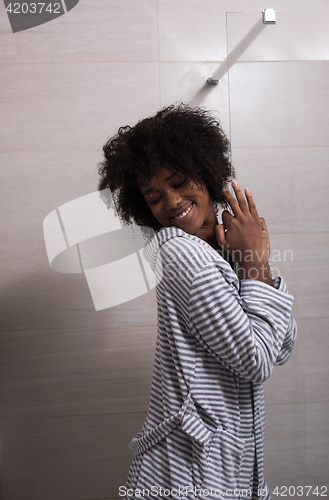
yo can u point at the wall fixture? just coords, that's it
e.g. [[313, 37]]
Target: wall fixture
[[268, 17]]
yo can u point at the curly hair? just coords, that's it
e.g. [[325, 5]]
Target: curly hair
[[179, 138]]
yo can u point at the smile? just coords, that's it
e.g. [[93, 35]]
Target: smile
[[185, 213]]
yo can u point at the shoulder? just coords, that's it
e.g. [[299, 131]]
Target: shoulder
[[187, 255], [174, 242]]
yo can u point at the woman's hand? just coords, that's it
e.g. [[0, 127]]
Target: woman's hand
[[266, 241], [244, 235]]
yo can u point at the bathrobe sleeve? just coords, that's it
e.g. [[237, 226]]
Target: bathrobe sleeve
[[291, 333], [247, 329]]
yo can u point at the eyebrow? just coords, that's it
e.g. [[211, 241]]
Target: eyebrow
[[147, 191], [151, 189]]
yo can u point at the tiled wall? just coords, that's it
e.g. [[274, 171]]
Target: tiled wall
[[75, 382]]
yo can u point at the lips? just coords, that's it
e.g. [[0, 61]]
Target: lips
[[184, 214]]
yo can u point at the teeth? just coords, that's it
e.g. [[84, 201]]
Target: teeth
[[184, 213]]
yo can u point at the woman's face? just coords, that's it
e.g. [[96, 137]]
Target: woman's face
[[177, 201]]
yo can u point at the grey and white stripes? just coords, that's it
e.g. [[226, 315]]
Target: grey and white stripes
[[218, 340]]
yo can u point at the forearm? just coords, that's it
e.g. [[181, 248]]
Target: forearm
[[256, 271], [243, 329]]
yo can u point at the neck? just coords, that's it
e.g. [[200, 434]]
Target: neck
[[207, 230], [213, 241], [207, 233]]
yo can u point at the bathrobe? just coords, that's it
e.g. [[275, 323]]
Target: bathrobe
[[218, 340]]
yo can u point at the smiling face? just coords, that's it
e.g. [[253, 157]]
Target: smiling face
[[175, 200]]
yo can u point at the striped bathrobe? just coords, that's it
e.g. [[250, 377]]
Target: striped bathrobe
[[218, 340]]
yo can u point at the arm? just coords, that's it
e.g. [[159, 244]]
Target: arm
[[244, 331], [251, 331]]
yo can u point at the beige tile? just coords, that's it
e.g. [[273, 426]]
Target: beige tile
[[34, 184], [296, 36], [304, 378], [189, 32], [43, 299], [296, 444], [91, 32], [283, 104], [187, 82], [67, 458], [76, 372], [289, 186], [303, 263], [73, 107], [5, 27]]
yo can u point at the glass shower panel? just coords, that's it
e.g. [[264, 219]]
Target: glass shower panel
[[278, 81], [278, 109]]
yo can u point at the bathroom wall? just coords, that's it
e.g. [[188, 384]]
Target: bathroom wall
[[75, 383]]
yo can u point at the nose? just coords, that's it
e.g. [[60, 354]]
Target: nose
[[173, 199]]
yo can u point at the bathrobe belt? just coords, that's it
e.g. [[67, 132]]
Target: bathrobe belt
[[186, 418]]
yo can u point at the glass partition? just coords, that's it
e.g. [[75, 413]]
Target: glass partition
[[278, 78]]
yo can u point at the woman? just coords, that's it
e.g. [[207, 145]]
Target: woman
[[223, 322]]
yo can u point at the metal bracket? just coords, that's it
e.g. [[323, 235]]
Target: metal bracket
[[269, 16], [211, 81]]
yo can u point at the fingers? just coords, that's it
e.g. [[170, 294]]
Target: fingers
[[251, 204], [220, 235], [266, 241], [226, 218], [243, 203], [240, 198], [239, 204]]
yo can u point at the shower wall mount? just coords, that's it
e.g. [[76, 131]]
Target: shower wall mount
[[268, 17]]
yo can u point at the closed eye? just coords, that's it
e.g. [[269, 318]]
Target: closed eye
[[154, 202], [180, 183]]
